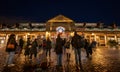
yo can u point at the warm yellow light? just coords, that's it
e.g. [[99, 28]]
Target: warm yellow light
[[2, 41], [23, 36], [72, 33], [28, 33], [93, 34], [97, 37], [47, 34]]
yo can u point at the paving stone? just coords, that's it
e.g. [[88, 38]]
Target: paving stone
[[102, 60]]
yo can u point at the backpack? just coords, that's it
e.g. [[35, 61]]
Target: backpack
[[67, 45], [81, 42]]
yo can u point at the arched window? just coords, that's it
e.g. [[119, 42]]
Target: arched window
[[60, 29]]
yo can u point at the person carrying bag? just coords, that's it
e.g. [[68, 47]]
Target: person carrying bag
[[10, 49]]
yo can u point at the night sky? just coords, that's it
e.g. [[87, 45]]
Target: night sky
[[107, 11]]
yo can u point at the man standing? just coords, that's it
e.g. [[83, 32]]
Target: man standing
[[48, 47], [59, 50], [76, 43]]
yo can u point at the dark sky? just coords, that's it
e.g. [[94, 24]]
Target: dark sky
[[107, 11]]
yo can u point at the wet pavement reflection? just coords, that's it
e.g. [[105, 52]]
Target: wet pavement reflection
[[102, 60]]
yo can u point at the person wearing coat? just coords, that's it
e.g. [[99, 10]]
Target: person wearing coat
[[59, 49], [10, 49], [77, 45], [48, 47], [27, 48], [87, 46], [33, 49], [21, 43]]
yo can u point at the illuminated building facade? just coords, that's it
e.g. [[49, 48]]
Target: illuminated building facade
[[64, 25]]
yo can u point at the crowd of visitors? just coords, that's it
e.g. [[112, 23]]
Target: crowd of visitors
[[31, 48]]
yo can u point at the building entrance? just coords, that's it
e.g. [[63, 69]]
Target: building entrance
[[60, 24]]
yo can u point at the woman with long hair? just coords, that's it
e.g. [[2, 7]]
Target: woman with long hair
[[10, 49]]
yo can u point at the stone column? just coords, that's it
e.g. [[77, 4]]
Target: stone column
[[51, 25], [6, 39], [95, 37], [26, 37], [16, 37], [105, 40], [115, 37]]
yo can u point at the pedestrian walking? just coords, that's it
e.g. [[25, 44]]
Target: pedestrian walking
[[21, 43], [93, 44], [87, 45], [77, 44], [59, 50], [48, 47], [27, 48], [39, 42], [10, 49], [44, 44], [33, 49]]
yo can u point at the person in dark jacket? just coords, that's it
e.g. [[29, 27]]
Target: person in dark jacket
[[87, 45], [11, 48], [33, 49], [59, 49], [44, 44], [48, 47], [21, 42], [27, 48], [93, 43], [77, 47]]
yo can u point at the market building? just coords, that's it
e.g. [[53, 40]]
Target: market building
[[61, 24]]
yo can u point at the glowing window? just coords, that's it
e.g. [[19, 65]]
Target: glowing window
[[60, 29]]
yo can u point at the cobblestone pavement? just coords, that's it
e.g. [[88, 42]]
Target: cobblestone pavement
[[102, 60]]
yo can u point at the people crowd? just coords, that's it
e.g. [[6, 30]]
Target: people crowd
[[61, 46]]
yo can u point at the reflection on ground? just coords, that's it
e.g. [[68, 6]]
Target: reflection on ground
[[102, 60]]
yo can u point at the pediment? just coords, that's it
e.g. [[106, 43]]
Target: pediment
[[60, 18]]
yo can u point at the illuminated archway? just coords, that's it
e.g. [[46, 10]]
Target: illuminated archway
[[60, 29]]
